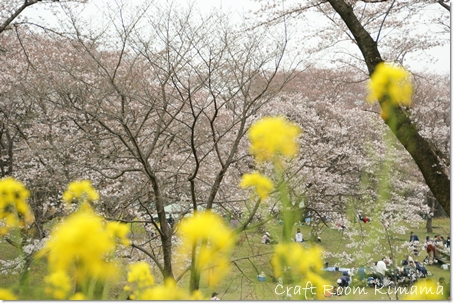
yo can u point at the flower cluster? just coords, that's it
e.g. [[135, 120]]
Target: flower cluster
[[140, 284], [82, 246], [139, 273], [294, 260], [14, 209], [262, 184], [58, 284], [81, 191], [390, 84], [207, 233], [426, 290], [273, 136], [6, 295]]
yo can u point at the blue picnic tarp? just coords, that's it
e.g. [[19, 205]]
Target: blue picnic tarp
[[332, 268]]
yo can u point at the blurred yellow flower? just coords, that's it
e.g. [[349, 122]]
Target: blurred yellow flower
[[197, 295], [81, 191], [392, 83], [168, 291], [119, 231], [301, 260], [262, 184], [58, 285], [78, 296], [273, 136], [14, 209], [425, 290], [213, 240], [83, 244], [317, 281], [298, 262], [139, 273], [7, 295]]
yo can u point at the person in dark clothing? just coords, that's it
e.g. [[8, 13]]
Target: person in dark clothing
[[414, 240], [413, 237], [171, 221], [344, 279], [363, 219]]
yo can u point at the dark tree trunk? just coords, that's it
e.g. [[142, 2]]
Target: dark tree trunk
[[165, 230], [400, 124], [166, 234]]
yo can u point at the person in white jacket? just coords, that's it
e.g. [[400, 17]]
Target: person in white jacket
[[381, 268], [299, 236]]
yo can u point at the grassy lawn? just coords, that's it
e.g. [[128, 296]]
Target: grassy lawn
[[249, 259], [243, 285]]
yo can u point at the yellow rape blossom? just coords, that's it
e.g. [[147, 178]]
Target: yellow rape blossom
[[14, 209], [168, 291], [58, 285], [118, 231], [81, 191], [298, 262], [78, 296], [7, 295], [213, 240], [82, 245], [262, 184], [390, 83], [273, 136], [139, 274], [425, 290], [197, 295], [317, 282]]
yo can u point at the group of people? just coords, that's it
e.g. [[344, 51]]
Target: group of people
[[299, 238], [266, 238], [433, 246]]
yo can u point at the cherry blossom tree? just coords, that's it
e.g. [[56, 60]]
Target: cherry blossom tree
[[342, 144], [398, 29], [12, 11], [154, 108], [152, 117]]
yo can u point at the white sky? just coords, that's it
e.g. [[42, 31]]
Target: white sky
[[436, 60]]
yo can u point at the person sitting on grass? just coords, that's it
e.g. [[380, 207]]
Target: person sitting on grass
[[414, 241], [382, 269], [214, 296], [430, 248], [364, 219], [408, 261], [344, 280], [266, 239], [299, 236]]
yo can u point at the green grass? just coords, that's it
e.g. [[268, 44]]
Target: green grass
[[249, 259], [237, 287]]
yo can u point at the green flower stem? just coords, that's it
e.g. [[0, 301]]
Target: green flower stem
[[285, 200], [195, 275]]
